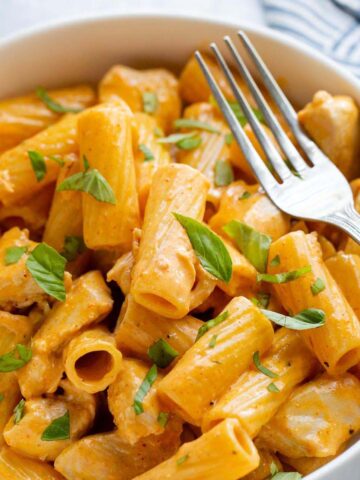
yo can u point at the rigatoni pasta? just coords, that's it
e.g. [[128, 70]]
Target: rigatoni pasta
[[160, 317], [205, 371]]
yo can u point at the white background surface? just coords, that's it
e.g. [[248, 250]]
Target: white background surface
[[19, 14]]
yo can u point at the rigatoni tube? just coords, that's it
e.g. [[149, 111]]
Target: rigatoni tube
[[225, 452], [17, 178], [146, 126], [249, 400], [92, 360], [105, 139], [209, 367], [31, 469], [164, 274], [138, 328], [23, 117], [337, 343]]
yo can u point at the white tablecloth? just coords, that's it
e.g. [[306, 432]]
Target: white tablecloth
[[19, 14]]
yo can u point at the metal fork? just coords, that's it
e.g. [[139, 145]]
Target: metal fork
[[314, 191]]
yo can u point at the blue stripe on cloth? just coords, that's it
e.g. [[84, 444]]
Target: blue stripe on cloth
[[321, 24]]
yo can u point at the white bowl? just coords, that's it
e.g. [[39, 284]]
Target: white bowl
[[82, 50]]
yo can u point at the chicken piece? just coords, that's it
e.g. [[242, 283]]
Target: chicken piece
[[333, 123]]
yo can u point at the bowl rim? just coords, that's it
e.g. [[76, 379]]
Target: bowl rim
[[41, 29]]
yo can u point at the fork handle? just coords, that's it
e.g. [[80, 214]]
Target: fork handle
[[348, 220]]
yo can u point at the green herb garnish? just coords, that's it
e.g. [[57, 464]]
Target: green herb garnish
[[318, 286], [15, 359], [208, 247], [52, 104], [163, 419], [224, 174], [211, 324], [59, 429], [13, 254], [47, 268], [150, 102], [253, 244], [148, 155], [144, 390], [283, 277], [305, 320], [73, 246], [189, 123], [261, 368], [19, 411], [162, 354]]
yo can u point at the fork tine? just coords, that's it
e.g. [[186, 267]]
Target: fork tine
[[310, 148], [260, 170], [288, 148], [272, 154]]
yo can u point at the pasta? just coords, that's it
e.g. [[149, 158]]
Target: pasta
[[23, 117], [225, 451], [164, 243], [160, 317], [249, 400], [92, 361], [110, 226], [337, 345], [204, 373]]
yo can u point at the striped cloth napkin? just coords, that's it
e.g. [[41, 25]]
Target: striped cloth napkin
[[332, 26]]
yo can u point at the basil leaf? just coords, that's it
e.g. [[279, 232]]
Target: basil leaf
[[262, 299], [1, 397], [15, 359], [158, 132], [150, 102], [287, 476], [86, 163], [38, 164], [176, 137], [19, 411], [224, 174], [13, 254], [229, 138], [58, 160], [189, 143], [211, 324], [272, 388], [244, 196], [73, 246], [305, 320], [163, 419], [91, 182], [47, 268], [144, 390], [212, 342], [273, 469], [261, 368], [189, 123], [318, 286], [148, 155], [253, 244], [52, 104], [275, 261], [59, 429], [283, 277], [162, 354], [208, 247], [235, 107], [182, 459]]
